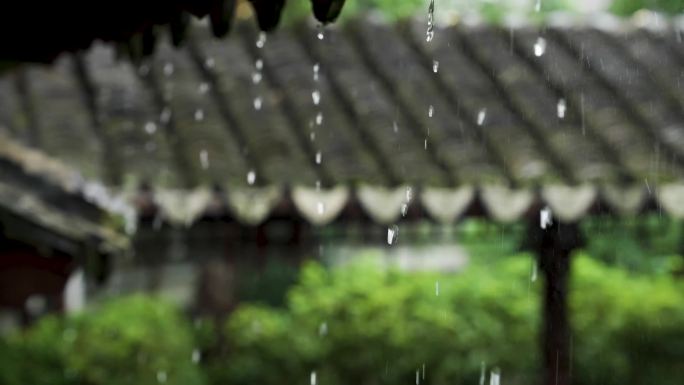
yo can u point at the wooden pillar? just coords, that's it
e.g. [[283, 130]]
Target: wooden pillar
[[554, 246]]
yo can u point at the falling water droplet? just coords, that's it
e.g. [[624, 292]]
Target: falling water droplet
[[150, 128], [430, 34], [256, 78], [203, 88], [313, 378], [395, 127], [319, 157], [196, 356], [495, 377], [258, 103], [251, 177], [482, 373], [561, 108], [319, 118], [404, 209], [437, 288], [320, 208], [423, 371], [165, 115], [392, 234], [261, 40], [545, 218], [199, 115], [204, 159], [431, 111], [409, 194], [161, 376], [316, 71], [539, 47], [320, 35], [435, 66], [209, 62], [316, 97], [481, 116], [323, 329], [533, 275], [537, 6], [168, 69], [312, 136]]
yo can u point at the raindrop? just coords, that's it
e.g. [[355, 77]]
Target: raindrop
[[168, 69], [430, 34], [423, 371], [392, 234], [395, 127], [537, 6], [481, 116], [417, 377], [425, 143], [316, 97], [261, 40], [150, 128], [161, 376], [209, 62], [203, 88], [545, 218], [323, 329], [495, 377], [312, 136], [251, 177], [540, 47], [316, 71], [409, 194], [259, 64], [319, 157], [561, 108], [435, 66], [196, 356], [431, 110], [165, 115], [319, 118], [482, 373], [533, 275], [437, 288], [199, 115], [320, 208], [320, 35], [256, 78], [258, 103], [313, 378], [204, 159], [404, 209]]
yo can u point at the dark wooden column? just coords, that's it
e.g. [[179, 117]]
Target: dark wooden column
[[554, 246]]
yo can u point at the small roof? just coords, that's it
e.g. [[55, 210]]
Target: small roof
[[509, 119], [41, 203]]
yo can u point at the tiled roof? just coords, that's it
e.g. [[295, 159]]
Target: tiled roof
[[42, 203], [479, 114]]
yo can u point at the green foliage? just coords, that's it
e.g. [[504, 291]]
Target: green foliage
[[629, 329], [627, 7], [136, 340], [382, 326]]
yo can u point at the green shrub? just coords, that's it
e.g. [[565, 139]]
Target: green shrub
[[136, 340], [361, 324]]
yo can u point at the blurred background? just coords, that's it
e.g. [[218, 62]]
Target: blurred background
[[112, 273]]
